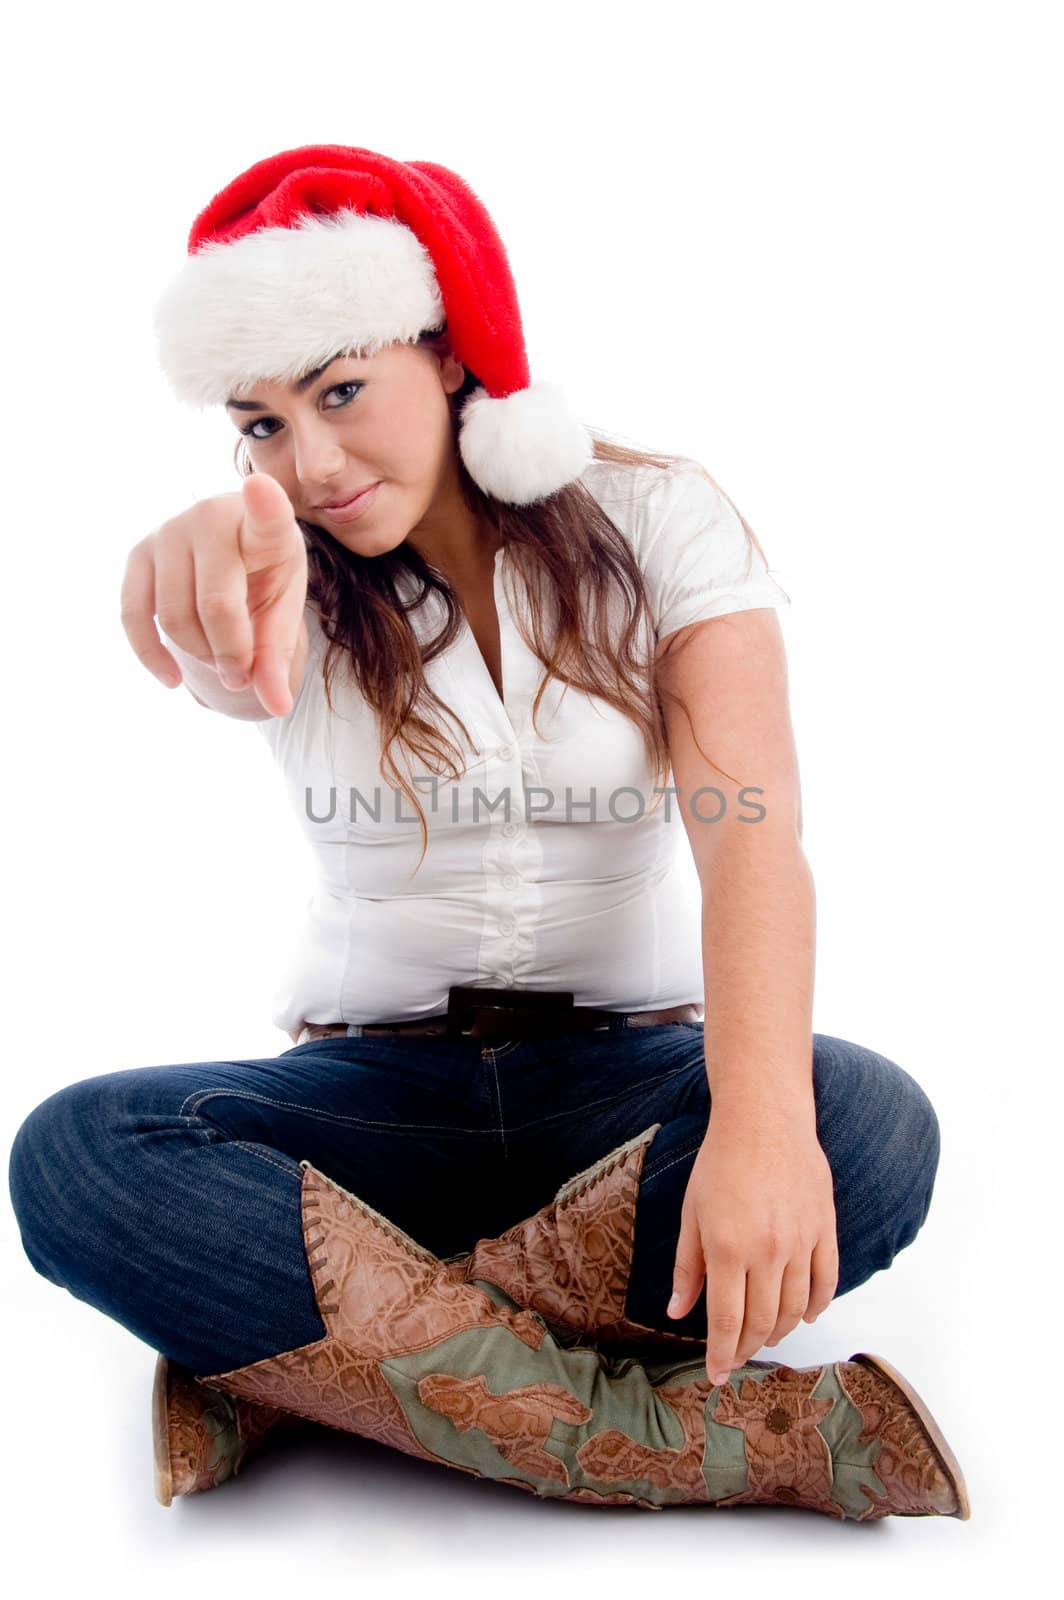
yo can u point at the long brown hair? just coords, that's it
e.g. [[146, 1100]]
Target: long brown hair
[[566, 542]]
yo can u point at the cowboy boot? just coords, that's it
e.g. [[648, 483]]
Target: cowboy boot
[[571, 1262], [201, 1437], [453, 1371]]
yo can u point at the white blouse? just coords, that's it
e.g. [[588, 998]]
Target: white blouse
[[543, 870]]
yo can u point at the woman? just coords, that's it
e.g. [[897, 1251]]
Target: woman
[[379, 1229]]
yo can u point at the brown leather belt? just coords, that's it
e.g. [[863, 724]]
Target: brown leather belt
[[481, 1013]]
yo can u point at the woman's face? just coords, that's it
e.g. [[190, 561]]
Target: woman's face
[[381, 419]]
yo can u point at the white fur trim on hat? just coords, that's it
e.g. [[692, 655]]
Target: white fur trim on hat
[[525, 446], [277, 303]]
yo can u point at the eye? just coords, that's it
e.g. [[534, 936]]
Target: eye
[[349, 384], [249, 430]]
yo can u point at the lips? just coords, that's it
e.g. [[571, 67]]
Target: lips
[[341, 505]]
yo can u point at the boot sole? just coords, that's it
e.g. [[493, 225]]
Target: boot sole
[[950, 1465], [164, 1473]]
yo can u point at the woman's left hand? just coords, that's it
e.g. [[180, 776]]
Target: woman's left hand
[[758, 1224]]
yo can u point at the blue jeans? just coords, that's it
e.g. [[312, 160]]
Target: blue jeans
[[168, 1197]]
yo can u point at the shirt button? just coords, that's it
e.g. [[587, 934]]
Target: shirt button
[[506, 751], [509, 829], [506, 928], [509, 882]]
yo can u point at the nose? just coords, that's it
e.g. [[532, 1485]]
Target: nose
[[318, 458]]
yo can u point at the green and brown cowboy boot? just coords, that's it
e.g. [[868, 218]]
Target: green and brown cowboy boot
[[571, 1262], [575, 1278], [451, 1370], [201, 1437]]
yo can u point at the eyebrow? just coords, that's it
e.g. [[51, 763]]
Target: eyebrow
[[297, 388]]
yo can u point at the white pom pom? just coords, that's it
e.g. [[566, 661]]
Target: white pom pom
[[525, 446]]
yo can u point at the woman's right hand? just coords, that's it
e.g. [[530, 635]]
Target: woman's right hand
[[227, 580]]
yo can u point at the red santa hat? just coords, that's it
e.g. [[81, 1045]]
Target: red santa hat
[[331, 249]]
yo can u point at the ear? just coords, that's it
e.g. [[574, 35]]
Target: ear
[[452, 372]]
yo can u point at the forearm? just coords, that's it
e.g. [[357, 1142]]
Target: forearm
[[759, 959]]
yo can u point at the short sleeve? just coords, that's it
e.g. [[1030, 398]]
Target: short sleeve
[[697, 558]]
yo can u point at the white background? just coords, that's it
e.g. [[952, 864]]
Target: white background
[[813, 246]]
